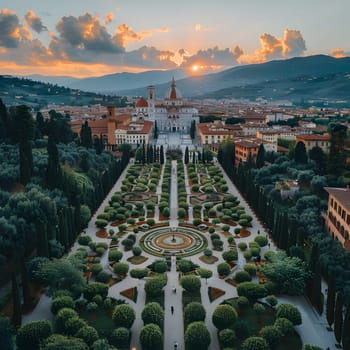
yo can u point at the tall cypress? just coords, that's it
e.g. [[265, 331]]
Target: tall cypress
[[53, 172], [346, 327], [86, 135], [161, 155], [260, 158], [16, 314], [330, 302], [338, 316], [186, 157]]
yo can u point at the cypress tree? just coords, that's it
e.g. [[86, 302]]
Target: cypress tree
[[85, 135], [316, 291], [161, 155], [16, 314], [346, 327], [4, 119], [260, 158], [43, 244], [186, 157], [330, 302], [314, 257], [194, 157], [300, 155], [53, 171], [203, 156], [338, 317]]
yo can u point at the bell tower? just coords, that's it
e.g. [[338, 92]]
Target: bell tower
[[151, 102]]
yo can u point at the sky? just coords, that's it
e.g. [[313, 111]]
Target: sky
[[84, 38]]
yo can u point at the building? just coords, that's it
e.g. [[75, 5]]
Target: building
[[312, 140], [210, 135], [171, 114], [122, 128], [338, 214], [245, 149]]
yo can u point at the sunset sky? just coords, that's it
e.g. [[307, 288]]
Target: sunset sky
[[91, 38]]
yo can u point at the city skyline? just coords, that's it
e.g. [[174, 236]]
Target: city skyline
[[95, 38]]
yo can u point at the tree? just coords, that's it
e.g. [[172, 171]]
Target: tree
[[7, 331], [154, 286], [337, 154], [123, 316], [346, 327], [285, 326], [186, 159], [193, 129], [197, 336], [139, 273], [191, 283], [289, 273], [290, 312], [230, 255], [224, 269], [151, 337], [205, 273], [330, 301], [88, 334], [30, 335], [251, 290], [85, 135], [224, 316], [61, 342], [61, 302], [161, 155], [260, 158], [155, 131], [300, 155], [272, 335], [120, 337], [153, 313], [53, 172], [338, 317], [227, 336], [320, 159], [311, 347], [95, 288], [120, 268], [193, 312], [255, 343]]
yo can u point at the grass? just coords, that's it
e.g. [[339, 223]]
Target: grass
[[136, 260], [101, 320], [188, 297], [208, 259]]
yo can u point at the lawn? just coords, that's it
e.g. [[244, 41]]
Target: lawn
[[208, 259], [190, 297], [101, 320]]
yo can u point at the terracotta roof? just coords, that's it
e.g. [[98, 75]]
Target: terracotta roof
[[247, 144], [218, 129], [146, 127], [342, 195], [313, 137], [141, 103]]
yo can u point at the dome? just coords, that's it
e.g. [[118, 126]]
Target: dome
[[141, 103]]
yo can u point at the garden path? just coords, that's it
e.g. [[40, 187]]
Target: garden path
[[173, 221]]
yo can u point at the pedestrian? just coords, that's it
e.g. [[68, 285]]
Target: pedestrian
[[172, 310], [258, 232], [269, 245]]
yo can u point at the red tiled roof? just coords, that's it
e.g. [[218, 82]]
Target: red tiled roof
[[313, 137], [342, 195], [141, 103]]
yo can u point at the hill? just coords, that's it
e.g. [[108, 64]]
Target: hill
[[290, 78], [14, 91]]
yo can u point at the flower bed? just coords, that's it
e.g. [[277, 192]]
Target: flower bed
[[215, 293], [130, 293], [208, 259], [102, 234], [136, 260]]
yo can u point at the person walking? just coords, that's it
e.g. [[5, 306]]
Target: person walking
[[172, 310]]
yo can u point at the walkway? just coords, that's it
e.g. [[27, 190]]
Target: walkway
[[173, 221]]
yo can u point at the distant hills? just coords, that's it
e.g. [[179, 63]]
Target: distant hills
[[313, 78]]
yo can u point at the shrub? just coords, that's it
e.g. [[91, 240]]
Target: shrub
[[101, 223], [96, 268], [255, 343], [97, 299], [154, 286], [251, 290], [242, 276], [62, 317], [242, 329], [88, 334], [237, 231], [92, 306], [138, 273], [255, 251], [227, 337], [271, 300], [284, 326], [242, 246], [95, 288], [208, 252], [191, 283], [290, 312], [211, 229], [243, 303], [261, 240], [181, 213], [123, 316], [247, 255], [153, 313], [224, 269], [272, 335], [311, 347], [136, 251], [31, 334], [84, 240], [100, 251], [217, 243], [61, 302], [258, 308], [230, 255], [103, 277], [193, 312], [120, 337], [197, 222], [151, 337], [121, 268], [127, 243], [159, 266], [250, 268], [225, 228], [224, 316], [214, 236], [115, 255], [197, 336]]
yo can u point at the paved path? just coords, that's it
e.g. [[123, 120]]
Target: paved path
[[173, 221]]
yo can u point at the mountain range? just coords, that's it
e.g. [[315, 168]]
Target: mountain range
[[302, 78]]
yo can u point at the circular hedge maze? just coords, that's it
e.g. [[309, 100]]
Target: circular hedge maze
[[180, 241]]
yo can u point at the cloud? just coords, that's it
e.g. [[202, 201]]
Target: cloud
[[11, 32], [126, 35], [162, 30], [338, 53], [197, 27], [291, 45], [212, 57], [34, 22], [108, 18]]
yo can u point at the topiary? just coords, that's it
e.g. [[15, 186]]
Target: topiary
[[224, 316]]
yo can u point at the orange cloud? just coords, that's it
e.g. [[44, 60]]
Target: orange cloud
[[292, 44], [338, 53], [34, 22], [109, 18], [126, 35]]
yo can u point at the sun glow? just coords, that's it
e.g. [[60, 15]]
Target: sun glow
[[195, 68]]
